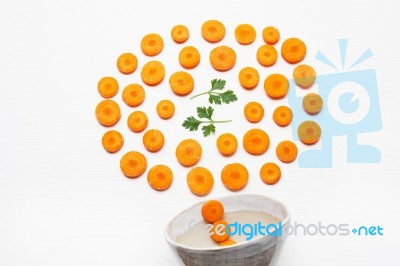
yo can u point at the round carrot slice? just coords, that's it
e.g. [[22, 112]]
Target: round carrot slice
[[165, 109], [108, 113], [212, 211], [270, 173], [152, 44], [200, 181], [309, 132], [181, 83], [189, 57], [137, 121], [227, 144], [222, 58], [267, 55], [188, 152], [282, 116], [133, 164], [213, 31], [245, 34], [286, 151], [234, 176], [108, 87], [160, 177], [218, 231], [254, 112], [249, 78], [180, 34], [293, 50], [276, 86], [153, 73], [133, 95], [153, 140], [271, 35], [228, 242], [127, 63], [304, 75], [312, 103], [256, 141], [112, 141]]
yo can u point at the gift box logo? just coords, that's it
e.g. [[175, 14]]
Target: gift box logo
[[351, 107]]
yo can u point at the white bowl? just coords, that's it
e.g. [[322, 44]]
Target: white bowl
[[263, 250]]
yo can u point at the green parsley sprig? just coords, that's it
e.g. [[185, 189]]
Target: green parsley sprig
[[193, 123], [217, 97]]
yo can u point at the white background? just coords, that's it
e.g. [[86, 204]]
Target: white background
[[63, 200]]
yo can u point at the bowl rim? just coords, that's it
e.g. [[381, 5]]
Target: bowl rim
[[178, 245]]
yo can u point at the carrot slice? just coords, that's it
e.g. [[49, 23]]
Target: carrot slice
[[160, 177], [108, 87], [309, 132], [234, 176], [108, 113], [254, 112], [286, 151], [222, 58], [152, 44], [153, 73], [282, 116], [213, 31], [276, 86], [271, 35], [200, 181], [249, 78], [245, 34], [218, 231], [256, 141], [180, 34], [133, 95], [227, 144], [293, 50], [127, 63], [133, 164], [312, 103], [267, 55], [112, 141], [153, 140], [189, 57], [181, 83], [270, 173], [212, 211], [304, 76], [228, 242], [165, 109], [188, 152], [137, 121]]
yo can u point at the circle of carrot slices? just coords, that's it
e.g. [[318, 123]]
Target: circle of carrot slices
[[312, 103], [212, 211], [200, 181], [133, 95], [304, 75], [180, 34], [127, 63], [189, 57], [245, 34], [286, 151], [234, 176], [112, 141], [213, 31], [254, 112], [270, 173], [165, 109], [267, 55], [181, 83], [218, 231], [293, 50], [188, 152], [271, 35], [152, 44], [282, 116], [108, 113], [137, 121], [160, 177], [276, 86], [227, 144], [153, 73], [256, 141], [249, 78], [228, 242], [108, 87], [133, 164], [309, 132], [222, 58], [153, 140]]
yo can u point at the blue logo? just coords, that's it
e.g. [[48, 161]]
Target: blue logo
[[351, 107]]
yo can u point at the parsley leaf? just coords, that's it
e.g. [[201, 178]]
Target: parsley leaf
[[216, 97]]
